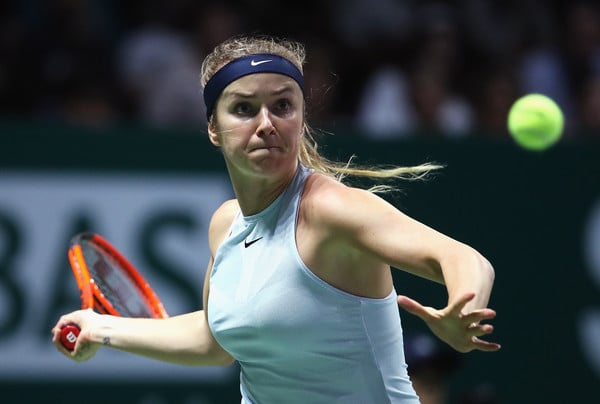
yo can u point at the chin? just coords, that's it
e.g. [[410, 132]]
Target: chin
[[272, 164]]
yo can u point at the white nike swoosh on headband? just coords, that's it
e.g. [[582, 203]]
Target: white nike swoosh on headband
[[260, 62]]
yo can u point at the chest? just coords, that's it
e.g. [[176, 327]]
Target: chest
[[263, 300]]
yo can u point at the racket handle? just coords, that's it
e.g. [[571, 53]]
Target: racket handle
[[68, 336]]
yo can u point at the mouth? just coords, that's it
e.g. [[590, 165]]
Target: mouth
[[269, 148]]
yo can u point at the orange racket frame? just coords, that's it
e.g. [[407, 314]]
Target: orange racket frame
[[91, 295]]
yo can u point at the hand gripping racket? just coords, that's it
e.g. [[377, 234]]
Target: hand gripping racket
[[108, 283]]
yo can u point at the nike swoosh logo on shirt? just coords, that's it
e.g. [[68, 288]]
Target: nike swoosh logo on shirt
[[249, 243], [260, 62]]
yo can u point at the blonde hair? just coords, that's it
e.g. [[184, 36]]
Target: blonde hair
[[309, 155]]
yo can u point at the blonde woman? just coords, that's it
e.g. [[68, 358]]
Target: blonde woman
[[299, 289]]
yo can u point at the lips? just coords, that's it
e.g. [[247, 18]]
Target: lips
[[264, 147]]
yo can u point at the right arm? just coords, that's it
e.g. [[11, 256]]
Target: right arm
[[184, 339]]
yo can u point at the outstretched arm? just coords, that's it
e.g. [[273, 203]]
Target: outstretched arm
[[183, 339], [382, 231]]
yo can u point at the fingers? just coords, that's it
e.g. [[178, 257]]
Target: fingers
[[60, 347], [58, 343], [478, 315], [476, 330], [75, 318], [407, 303], [82, 351], [460, 330], [460, 304], [412, 306], [71, 318], [474, 343], [485, 346], [472, 322]]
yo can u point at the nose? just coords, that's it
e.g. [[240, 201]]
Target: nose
[[265, 125]]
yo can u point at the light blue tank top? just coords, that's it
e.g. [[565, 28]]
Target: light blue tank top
[[297, 338]]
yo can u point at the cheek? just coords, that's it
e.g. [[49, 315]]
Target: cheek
[[299, 131], [232, 133], [292, 127], [233, 142]]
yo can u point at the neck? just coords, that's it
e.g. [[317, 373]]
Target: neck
[[256, 194]]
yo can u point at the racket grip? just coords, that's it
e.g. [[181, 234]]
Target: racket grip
[[68, 336]]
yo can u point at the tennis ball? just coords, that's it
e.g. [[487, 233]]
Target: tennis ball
[[535, 122]]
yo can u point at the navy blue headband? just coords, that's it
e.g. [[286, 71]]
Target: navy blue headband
[[243, 66]]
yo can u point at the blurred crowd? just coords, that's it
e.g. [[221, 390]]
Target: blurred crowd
[[388, 68]]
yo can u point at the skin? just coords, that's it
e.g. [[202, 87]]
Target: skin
[[258, 125]]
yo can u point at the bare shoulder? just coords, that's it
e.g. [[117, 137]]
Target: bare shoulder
[[225, 213], [330, 203], [221, 222]]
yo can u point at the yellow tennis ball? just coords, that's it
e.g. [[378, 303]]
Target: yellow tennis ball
[[535, 122]]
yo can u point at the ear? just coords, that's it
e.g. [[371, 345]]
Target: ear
[[212, 134]]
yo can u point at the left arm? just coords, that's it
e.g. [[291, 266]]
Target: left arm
[[404, 243], [379, 229]]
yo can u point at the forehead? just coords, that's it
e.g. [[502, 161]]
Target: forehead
[[262, 83]]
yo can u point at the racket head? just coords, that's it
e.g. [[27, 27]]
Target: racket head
[[108, 282]]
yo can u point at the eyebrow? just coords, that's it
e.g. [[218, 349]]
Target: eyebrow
[[244, 94]]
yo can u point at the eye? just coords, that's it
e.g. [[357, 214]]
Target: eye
[[243, 109], [283, 107]]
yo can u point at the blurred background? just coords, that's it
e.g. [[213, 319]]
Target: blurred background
[[391, 68], [102, 128]]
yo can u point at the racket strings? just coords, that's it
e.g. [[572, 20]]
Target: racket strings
[[108, 282], [118, 293]]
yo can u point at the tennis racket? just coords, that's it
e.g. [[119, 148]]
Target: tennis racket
[[108, 283]]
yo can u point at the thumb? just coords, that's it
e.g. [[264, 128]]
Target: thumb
[[411, 306]]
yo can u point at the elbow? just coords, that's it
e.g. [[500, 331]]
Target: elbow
[[481, 269], [468, 271], [218, 357], [483, 275], [215, 356], [219, 360], [487, 268], [484, 270], [226, 360], [209, 360]]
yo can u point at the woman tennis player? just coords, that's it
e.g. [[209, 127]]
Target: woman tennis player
[[299, 287]]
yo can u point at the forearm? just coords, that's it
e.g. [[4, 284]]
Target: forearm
[[465, 271], [183, 339]]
